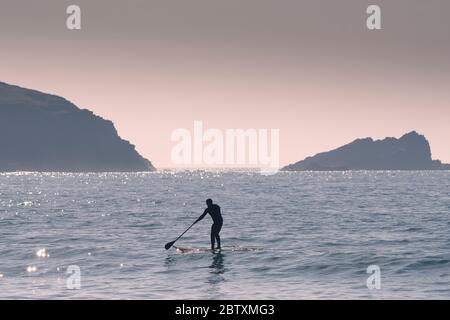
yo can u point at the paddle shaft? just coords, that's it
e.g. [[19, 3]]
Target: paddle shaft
[[183, 233]]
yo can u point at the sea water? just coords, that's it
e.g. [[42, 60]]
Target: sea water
[[309, 235]]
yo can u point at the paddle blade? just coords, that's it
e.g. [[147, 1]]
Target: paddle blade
[[169, 245]]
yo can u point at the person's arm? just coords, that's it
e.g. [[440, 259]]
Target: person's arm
[[202, 216]]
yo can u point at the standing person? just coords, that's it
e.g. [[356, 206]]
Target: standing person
[[214, 212]]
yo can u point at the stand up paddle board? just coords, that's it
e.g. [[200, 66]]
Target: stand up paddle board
[[203, 250]]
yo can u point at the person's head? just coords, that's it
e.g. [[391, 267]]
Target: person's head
[[209, 202]]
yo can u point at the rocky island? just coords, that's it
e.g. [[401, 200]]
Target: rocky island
[[410, 152], [43, 132]]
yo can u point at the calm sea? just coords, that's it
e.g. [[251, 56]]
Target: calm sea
[[289, 236]]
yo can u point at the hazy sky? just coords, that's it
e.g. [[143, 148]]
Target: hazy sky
[[309, 68]]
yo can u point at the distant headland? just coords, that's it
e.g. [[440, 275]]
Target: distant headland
[[410, 152], [43, 132]]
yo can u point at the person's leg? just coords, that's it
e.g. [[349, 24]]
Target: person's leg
[[219, 227], [218, 241], [213, 237]]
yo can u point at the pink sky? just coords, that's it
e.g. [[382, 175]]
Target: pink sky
[[321, 93]]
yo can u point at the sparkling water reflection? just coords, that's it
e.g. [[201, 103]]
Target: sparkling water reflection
[[308, 235]]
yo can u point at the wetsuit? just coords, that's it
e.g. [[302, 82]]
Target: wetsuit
[[214, 212]]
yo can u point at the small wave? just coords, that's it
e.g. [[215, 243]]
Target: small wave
[[25, 204], [426, 264]]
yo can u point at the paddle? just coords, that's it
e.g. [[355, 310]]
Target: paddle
[[170, 244]]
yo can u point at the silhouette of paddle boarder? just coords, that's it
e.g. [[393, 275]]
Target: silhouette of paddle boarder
[[214, 212]]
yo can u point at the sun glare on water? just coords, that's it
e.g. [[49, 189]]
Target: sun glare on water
[[42, 253], [31, 269]]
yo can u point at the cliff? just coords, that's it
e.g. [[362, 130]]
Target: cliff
[[42, 132], [410, 152]]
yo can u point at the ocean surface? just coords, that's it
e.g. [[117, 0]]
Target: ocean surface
[[287, 236]]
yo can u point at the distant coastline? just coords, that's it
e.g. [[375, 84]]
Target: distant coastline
[[41, 132], [410, 152]]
